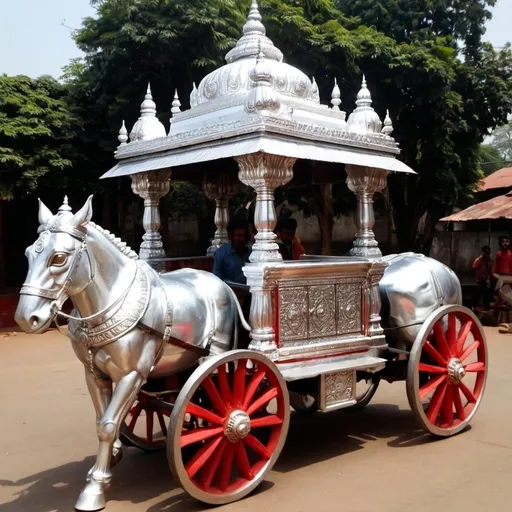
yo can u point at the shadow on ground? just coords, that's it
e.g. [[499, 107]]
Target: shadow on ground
[[143, 476]]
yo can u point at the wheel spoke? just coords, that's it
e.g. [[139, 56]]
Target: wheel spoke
[[204, 414], [447, 407], [467, 393], [452, 332], [226, 465], [162, 423], [257, 447], [431, 369], [253, 387], [475, 367], [135, 416], [469, 350], [201, 457], [463, 336], [458, 404], [214, 396], [242, 461], [210, 470], [430, 386], [262, 400], [225, 392], [199, 434], [440, 338], [266, 421], [434, 354], [239, 383], [436, 402], [149, 425]]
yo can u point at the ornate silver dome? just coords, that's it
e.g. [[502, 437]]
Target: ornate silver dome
[[235, 77], [148, 126], [364, 119]]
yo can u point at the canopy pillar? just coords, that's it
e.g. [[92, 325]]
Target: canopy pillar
[[220, 190], [264, 173], [152, 186], [365, 182]]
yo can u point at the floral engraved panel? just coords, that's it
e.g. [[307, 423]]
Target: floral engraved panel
[[293, 313], [348, 304], [322, 318], [339, 387]]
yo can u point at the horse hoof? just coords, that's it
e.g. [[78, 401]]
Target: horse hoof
[[90, 501]]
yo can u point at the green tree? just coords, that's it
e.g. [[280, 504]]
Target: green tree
[[490, 159], [36, 133], [502, 141]]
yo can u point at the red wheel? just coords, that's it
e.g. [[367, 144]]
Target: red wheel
[[146, 424], [447, 371], [228, 426]]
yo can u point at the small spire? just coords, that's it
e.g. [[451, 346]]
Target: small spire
[[148, 107], [65, 206], [388, 125], [176, 104], [254, 24], [194, 95], [364, 97], [123, 134], [315, 93], [336, 96]]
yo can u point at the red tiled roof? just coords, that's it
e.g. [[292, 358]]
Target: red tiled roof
[[496, 208], [498, 179]]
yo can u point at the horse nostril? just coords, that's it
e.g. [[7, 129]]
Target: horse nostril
[[34, 321]]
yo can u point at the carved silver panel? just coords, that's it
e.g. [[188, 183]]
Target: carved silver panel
[[293, 313], [348, 305], [337, 390], [322, 317]]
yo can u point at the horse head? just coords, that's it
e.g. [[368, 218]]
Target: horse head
[[58, 266]]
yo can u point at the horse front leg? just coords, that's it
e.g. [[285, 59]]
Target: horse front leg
[[92, 497]]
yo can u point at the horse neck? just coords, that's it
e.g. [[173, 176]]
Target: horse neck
[[112, 273]]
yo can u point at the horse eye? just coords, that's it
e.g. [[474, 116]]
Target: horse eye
[[59, 260]]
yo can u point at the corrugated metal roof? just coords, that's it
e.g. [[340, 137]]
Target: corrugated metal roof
[[498, 179], [496, 208]]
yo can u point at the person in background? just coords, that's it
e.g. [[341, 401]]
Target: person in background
[[503, 261], [289, 243], [483, 273], [233, 256]]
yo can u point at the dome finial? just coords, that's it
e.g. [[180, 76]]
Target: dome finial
[[148, 107], [123, 134], [364, 97], [388, 125], [65, 206], [253, 24], [336, 96], [194, 96], [364, 119], [176, 104], [315, 93], [148, 126]]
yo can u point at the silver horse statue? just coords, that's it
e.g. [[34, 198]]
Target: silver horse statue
[[128, 322]]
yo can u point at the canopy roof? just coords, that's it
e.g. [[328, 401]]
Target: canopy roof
[[496, 208], [257, 103], [498, 179]]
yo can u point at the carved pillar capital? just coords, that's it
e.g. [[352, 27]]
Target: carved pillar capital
[[220, 190], [365, 182], [152, 186], [264, 173]]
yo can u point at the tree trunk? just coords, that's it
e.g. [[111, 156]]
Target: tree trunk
[[326, 218], [2, 254]]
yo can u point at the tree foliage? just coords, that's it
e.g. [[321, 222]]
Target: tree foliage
[[502, 141], [441, 105], [36, 133], [490, 159]]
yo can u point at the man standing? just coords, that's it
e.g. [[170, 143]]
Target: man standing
[[288, 242], [483, 272], [232, 257], [503, 262]]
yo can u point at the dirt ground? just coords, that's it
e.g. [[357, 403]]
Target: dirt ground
[[376, 459]]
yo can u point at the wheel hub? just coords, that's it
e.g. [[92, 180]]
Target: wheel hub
[[456, 371], [238, 426]]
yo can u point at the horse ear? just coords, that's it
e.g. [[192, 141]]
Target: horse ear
[[45, 215], [84, 215]]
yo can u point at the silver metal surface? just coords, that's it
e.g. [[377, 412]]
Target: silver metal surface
[[238, 426], [147, 127], [413, 288], [175, 431], [364, 119], [113, 331], [337, 390]]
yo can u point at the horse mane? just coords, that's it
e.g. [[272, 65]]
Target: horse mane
[[115, 241]]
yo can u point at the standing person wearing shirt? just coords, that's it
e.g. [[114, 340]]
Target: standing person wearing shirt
[[483, 272], [502, 267], [233, 256], [288, 242]]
